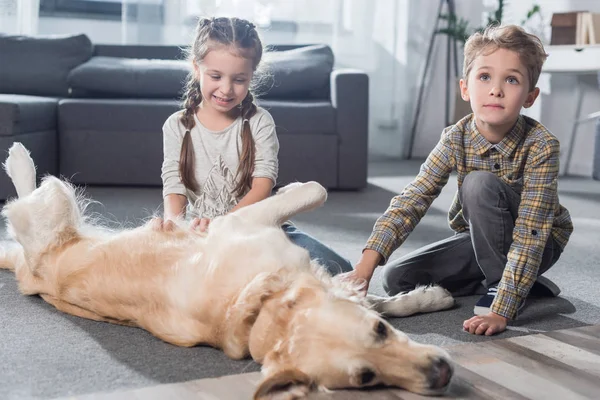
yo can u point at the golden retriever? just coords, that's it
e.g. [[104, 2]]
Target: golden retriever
[[243, 287]]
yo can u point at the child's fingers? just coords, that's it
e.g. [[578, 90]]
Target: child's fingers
[[169, 226], [490, 331], [156, 224], [482, 328], [473, 327], [203, 225], [194, 224], [467, 323]]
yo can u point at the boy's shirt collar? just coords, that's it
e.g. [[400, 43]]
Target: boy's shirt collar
[[505, 147]]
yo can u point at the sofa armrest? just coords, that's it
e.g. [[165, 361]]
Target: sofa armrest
[[350, 98]]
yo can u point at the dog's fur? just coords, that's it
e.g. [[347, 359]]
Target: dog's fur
[[243, 287]]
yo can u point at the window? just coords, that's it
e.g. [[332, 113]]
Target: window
[[96, 9]]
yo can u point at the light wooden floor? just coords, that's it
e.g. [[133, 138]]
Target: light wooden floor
[[562, 364]]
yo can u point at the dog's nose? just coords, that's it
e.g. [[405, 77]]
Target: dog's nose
[[440, 373]]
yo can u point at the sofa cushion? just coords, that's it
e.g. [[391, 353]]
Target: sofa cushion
[[124, 148], [301, 117], [39, 65], [298, 73], [129, 77], [24, 114]]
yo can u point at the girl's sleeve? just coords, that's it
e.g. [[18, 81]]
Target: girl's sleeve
[[266, 163], [172, 138]]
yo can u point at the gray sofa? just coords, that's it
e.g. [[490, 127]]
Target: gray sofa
[[94, 113]]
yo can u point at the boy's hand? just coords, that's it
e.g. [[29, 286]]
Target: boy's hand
[[488, 324], [363, 271], [359, 276]]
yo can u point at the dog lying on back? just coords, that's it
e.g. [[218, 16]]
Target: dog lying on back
[[243, 287]]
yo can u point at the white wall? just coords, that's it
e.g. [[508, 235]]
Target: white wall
[[431, 121], [392, 48]]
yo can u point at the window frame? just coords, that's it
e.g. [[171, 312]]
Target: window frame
[[106, 10]]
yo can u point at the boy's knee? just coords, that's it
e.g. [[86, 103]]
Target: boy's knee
[[479, 186], [476, 180], [396, 279]]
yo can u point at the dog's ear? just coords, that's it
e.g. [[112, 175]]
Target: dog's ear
[[285, 384]]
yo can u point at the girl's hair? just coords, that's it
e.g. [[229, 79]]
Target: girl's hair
[[240, 37], [510, 37]]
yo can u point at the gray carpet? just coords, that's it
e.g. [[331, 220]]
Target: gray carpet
[[47, 354]]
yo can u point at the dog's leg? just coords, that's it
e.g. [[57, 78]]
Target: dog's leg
[[20, 168], [42, 217], [289, 201], [10, 254], [243, 313], [13, 259], [46, 218], [420, 300], [81, 312]]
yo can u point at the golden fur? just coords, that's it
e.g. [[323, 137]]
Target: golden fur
[[243, 287]]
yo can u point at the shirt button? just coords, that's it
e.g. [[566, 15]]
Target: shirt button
[[496, 166], [533, 232]]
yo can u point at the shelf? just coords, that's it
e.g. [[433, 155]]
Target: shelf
[[572, 59]]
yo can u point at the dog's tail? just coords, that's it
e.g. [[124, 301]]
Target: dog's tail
[[20, 168]]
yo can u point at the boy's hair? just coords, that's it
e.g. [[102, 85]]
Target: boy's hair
[[510, 37], [239, 36]]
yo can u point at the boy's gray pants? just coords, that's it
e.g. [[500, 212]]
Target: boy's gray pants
[[468, 262]]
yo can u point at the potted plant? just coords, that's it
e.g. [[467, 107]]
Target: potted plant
[[459, 29]]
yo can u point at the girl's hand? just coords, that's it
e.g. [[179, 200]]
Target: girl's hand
[[200, 224], [159, 225]]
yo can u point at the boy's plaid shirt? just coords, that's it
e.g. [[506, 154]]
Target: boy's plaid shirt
[[527, 160]]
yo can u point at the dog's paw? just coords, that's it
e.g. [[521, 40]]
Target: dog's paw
[[289, 187], [20, 168], [435, 298], [18, 160], [313, 191], [424, 299]]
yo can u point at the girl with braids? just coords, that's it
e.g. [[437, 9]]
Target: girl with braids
[[220, 151]]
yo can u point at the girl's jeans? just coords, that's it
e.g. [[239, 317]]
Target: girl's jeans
[[332, 261]]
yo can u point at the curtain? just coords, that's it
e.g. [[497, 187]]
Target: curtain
[[19, 16]]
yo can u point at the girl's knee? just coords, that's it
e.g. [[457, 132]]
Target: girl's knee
[[336, 267], [333, 262], [328, 258]]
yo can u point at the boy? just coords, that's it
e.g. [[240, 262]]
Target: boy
[[509, 225]]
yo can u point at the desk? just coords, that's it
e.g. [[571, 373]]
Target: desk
[[574, 60]]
